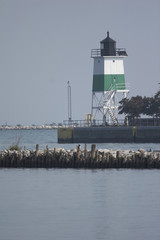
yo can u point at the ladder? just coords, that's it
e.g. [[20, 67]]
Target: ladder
[[107, 104], [113, 117]]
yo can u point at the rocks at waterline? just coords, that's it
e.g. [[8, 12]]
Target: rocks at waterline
[[77, 158]]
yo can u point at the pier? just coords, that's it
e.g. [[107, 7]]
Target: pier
[[109, 134]]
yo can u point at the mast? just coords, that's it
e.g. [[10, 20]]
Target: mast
[[69, 103]]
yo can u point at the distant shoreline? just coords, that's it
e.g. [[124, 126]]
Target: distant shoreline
[[27, 127]]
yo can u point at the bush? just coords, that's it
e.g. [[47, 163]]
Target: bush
[[15, 146]]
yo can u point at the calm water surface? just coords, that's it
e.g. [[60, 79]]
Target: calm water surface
[[70, 204], [79, 204]]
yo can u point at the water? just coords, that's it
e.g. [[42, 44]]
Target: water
[[29, 139], [79, 204], [69, 204]]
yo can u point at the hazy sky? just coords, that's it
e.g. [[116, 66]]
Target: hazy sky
[[45, 43]]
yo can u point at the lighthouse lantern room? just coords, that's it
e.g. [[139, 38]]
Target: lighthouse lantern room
[[109, 84]]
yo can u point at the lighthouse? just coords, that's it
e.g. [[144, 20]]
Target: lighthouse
[[109, 85]]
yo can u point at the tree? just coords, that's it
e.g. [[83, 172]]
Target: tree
[[135, 106], [147, 106], [156, 105], [151, 105], [123, 108], [132, 108]]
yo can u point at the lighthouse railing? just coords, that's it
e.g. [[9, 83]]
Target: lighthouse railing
[[119, 52], [88, 123], [122, 122], [95, 53]]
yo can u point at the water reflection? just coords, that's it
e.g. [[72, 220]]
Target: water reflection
[[79, 204]]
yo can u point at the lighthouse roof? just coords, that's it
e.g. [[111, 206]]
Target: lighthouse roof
[[108, 39]]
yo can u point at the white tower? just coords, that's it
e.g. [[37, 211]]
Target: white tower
[[108, 81]]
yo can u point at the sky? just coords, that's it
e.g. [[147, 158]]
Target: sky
[[46, 43]]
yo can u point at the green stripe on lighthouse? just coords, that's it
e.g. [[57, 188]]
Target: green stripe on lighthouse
[[108, 82], [98, 83]]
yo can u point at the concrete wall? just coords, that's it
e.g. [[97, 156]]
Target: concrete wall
[[102, 134], [110, 134], [65, 135], [147, 134]]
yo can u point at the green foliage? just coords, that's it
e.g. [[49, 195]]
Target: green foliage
[[15, 146], [148, 106], [131, 107], [156, 105], [138, 105]]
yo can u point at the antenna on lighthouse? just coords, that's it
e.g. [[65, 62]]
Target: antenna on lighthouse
[[69, 103]]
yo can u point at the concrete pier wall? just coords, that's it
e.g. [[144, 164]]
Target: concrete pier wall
[[109, 134]]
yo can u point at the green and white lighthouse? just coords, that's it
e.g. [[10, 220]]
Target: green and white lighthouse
[[108, 80]]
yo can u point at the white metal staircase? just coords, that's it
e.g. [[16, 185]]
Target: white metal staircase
[[113, 117], [108, 104]]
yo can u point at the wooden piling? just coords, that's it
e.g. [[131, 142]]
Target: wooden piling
[[37, 149], [85, 151], [93, 149], [79, 159]]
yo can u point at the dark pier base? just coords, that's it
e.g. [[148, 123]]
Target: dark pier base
[[108, 134]]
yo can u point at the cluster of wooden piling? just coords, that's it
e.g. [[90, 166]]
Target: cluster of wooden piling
[[77, 158]]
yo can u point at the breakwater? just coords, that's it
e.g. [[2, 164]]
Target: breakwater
[[33, 127], [77, 158]]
